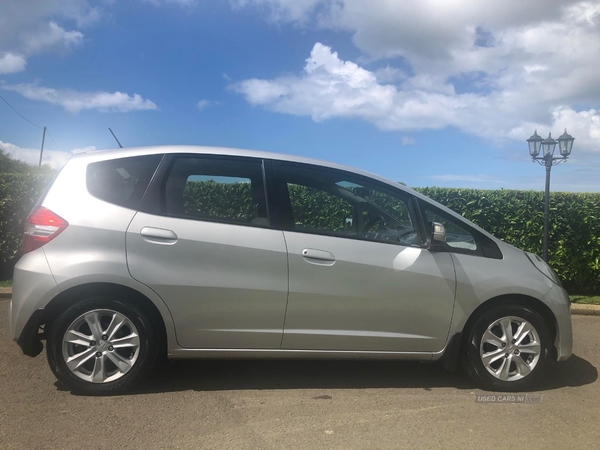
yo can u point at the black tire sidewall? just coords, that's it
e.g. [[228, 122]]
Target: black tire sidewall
[[143, 364], [472, 361]]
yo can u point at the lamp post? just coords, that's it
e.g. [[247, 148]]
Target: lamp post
[[547, 159]]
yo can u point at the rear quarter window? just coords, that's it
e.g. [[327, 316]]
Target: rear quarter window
[[122, 181]]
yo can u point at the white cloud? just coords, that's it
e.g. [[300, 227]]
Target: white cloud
[[181, 2], [496, 70], [11, 63], [283, 10], [30, 27], [36, 26], [56, 159], [51, 36], [75, 101], [330, 87], [408, 140], [389, 74], [204, 103]]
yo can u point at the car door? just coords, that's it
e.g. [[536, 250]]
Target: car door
[[202, 240], [359, 277]]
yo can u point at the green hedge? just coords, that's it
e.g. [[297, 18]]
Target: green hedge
[[211, 199], [18, 194], [517, 217], [513, 216]]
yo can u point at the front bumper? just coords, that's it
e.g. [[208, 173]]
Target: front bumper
[[560, 304]]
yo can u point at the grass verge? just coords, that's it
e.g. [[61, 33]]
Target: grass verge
[[585, 299]]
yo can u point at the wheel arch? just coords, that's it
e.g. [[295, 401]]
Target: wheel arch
[[538, 306], [69, 296]]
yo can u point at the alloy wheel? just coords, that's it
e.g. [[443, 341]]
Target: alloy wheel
[[101, 346], [510, 348]]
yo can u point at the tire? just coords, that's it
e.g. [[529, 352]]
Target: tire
[[507, 348], [102, 345]]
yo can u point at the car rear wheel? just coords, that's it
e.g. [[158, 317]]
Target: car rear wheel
[[101, 345], [507, 348]]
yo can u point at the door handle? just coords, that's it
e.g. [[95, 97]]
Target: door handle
[[318, 256], [158, 235]]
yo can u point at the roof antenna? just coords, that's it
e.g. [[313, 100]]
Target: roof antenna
[[111, 132]]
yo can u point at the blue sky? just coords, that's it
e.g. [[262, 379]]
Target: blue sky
[[431, 93]]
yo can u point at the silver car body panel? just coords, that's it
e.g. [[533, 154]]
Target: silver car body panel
[[33, 288], [558, 301], [90, 250], [480, 279], [226, 285], [247, 271], [372, 296]]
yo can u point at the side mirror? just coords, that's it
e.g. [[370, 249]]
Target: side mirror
[[438, 232]]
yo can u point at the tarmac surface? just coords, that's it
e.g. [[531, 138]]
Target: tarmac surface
[[302, 405]]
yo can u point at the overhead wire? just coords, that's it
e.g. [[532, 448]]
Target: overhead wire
[[22, 116], [26, 119], [48, 132]]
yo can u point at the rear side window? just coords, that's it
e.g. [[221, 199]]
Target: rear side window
[[122, 181], [216, 189]]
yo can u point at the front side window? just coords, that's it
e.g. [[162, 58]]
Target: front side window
[[215, 189], [337, 203], [456, 236], [314, 209]]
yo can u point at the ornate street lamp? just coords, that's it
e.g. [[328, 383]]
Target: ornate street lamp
[[547, 159]]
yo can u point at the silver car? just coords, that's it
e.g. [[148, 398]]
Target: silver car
[[196, 252]]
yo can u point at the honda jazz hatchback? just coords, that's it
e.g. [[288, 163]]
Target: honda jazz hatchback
[[199, 252]]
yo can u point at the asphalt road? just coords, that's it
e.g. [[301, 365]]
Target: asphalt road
[[300, 405]]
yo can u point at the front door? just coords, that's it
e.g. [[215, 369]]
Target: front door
[[359, 276]]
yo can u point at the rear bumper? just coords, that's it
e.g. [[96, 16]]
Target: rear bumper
[[33, 288], [30, 338]]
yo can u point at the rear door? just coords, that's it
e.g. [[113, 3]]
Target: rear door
[[360, 278], [204, 243]]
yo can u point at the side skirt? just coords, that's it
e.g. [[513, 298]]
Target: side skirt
[[308, 354]]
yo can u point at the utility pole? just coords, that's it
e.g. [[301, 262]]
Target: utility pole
[[42, 149], [111, 132]]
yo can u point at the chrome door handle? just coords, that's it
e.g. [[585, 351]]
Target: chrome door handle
[[158, 235], [320, 255]]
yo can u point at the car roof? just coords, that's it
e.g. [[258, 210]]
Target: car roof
[[101, 155], [198, 149]]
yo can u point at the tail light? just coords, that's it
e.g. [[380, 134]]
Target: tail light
[[41, 227]]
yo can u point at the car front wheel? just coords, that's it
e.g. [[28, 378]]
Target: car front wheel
[[507, 348], [101, 345]]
